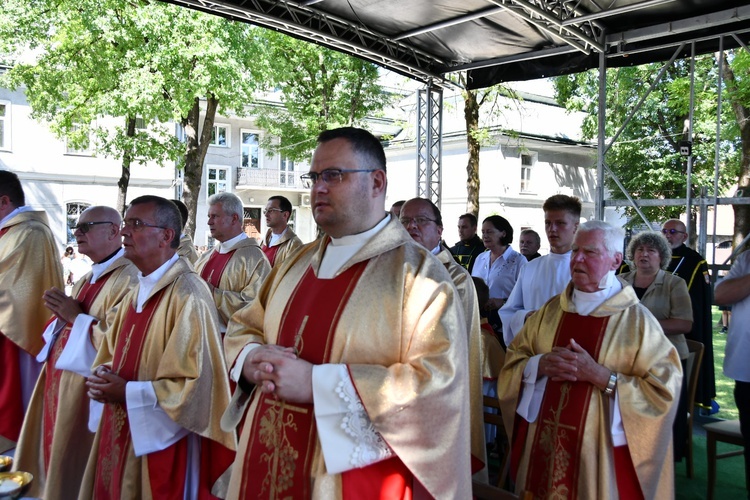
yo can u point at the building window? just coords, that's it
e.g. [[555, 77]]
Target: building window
[[527, 164], [250, 149], [140, 124], [220, 136], [82, 149], [74, 210], [4, 125], [286, 172], [218, 178]]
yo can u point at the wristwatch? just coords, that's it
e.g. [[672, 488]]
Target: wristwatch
[[611, 384]]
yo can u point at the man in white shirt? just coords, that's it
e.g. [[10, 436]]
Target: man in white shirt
[[349, 347], [236, 267], [734, 290], [544, 277]]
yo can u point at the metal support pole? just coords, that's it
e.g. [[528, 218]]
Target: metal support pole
[[429, 143], [689, 190], [602, 112], [703, 209], [720, 83]]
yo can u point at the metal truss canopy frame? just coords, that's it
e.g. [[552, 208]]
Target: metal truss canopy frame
[[429, 143]]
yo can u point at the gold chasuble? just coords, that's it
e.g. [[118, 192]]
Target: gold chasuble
[[393, 317], [567, 452], [55, 441], [173, 343], [236, 275], [29, 265], [468, 295]]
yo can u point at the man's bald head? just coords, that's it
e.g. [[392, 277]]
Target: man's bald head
[[675, 232], [98, 232]]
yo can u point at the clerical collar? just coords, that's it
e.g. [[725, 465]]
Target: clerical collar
[[147, 283], [15, 212], [276, 237], [436, 250], [226, 246], [586, 302], [98, 268], [340, 250]]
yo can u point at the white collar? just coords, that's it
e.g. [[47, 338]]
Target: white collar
[[15, 212], [586, 302], [98, 269], [340, 250], [147, 283], [226, 246]]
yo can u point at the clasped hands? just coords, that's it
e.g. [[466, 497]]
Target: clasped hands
[[279, 371], [106, 387], [573, 363], [64, 307]]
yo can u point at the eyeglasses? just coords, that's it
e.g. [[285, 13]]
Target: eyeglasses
[[138, 224], [672, 231], [85, 227], [265, 211], [330, 176], [420, 221]]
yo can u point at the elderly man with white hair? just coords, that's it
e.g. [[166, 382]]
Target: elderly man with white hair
[[590, 385]]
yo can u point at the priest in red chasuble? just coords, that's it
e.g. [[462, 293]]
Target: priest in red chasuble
[[236, 267], [55, 441], [29, 265], [590, 385], [160, 374], [353, 359], [280, 240]]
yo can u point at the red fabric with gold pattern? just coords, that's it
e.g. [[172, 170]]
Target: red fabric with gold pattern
[[553, 467], [270, 252], [283, 436], [215, 266], [85, 298]]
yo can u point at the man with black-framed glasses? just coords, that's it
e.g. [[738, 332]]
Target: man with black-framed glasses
[[55, 441], [692, 267], [29, 265], [280, 240], [351, 344], [159, 375]]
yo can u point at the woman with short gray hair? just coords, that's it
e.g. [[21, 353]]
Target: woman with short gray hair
[[668, 299]]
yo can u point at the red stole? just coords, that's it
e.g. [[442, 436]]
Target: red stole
[[283, 436], [115, 437], [214, 268], [270, 252], [554, 465], [85, 297]]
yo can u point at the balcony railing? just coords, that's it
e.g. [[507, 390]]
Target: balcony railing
[[266, 177]]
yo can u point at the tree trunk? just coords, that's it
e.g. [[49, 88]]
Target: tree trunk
[[471, 116], [127, 159], [195, 153], [742, 115]]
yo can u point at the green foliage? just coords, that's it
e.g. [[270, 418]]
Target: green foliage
[[82, 62], [320, 89], [646, 155]]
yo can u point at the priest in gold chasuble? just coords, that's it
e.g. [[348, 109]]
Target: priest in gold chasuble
[[352, 362], [590, 385], [55, 440], [29, 265], [160, 374]]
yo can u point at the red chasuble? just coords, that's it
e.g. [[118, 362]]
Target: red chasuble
[[270, 252], [85, 297], [283, 436], [214, 268]]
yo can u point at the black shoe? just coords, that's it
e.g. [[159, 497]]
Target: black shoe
[[723, 329]]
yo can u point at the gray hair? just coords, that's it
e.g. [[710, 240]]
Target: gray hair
[[654, 240], [230, 203], [613, 236]]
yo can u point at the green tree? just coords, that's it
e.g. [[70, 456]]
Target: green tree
[[320, 89], [646, 156], [83, 62]]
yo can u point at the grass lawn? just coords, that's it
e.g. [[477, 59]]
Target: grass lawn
[[724, 385]]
